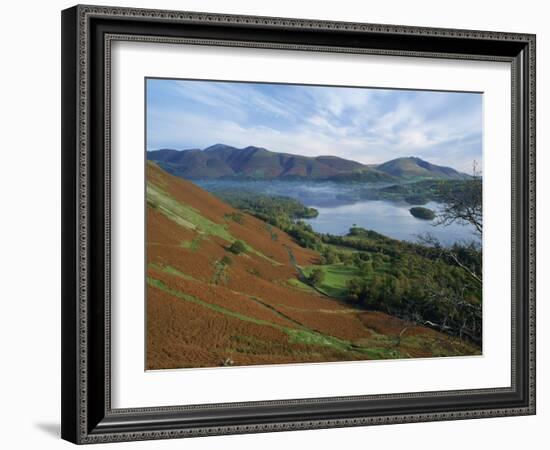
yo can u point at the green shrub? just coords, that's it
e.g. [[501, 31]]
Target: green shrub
[[316, 277], [237, 247], [226, 260]]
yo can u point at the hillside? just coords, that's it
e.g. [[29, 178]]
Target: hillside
[[209, 305], [224, 161], [413, 167]]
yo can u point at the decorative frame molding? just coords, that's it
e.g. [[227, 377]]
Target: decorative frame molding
[[88, 31]]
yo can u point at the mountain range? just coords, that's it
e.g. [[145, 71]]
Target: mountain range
[[224, 161]]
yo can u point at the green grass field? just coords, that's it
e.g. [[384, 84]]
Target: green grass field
[[336, 278]]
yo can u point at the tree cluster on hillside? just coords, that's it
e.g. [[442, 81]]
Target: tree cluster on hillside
[[415, 193], [279, 211], [428, 292], [427, 284]]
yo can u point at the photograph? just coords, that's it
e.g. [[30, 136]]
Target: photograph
[[294, 223]]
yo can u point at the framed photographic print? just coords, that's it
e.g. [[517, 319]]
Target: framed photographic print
[[280, 224]]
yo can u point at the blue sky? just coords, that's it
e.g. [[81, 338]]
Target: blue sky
[[366, 125]]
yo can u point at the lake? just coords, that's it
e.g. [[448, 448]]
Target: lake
[[340, 208], [388, 218]]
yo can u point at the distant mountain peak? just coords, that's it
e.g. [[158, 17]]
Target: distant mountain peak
[[253, 148], [218, 146], [413, 166]]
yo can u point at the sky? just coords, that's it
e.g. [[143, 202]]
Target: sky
[[368, 125]]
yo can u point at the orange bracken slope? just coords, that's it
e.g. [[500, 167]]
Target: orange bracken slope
[[209, 307]]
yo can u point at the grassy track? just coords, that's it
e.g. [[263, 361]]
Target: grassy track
[[170, 270], [295, 283], [184, 215]]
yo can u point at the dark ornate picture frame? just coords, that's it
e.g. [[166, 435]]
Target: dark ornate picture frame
[[87, 34]]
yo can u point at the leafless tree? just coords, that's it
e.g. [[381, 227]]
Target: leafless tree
[[462, 202], [461, 316]]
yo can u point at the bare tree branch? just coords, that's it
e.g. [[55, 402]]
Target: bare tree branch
[[462, 203], [470, 272]]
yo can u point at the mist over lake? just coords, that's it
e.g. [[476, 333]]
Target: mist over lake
[[388, 218], [319, 193], [340, 206]]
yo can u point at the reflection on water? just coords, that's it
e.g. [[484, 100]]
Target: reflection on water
[[388, 218], [340, 207]]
